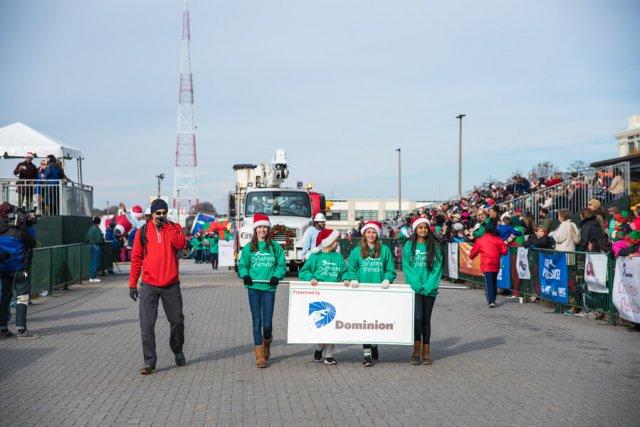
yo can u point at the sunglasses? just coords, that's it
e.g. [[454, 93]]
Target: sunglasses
[[160, 212]]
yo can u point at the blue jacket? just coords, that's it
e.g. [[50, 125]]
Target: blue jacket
[[18, 244], [507, 230]]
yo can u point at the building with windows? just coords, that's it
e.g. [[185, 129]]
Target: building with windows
[[629, 140], [346, 214]]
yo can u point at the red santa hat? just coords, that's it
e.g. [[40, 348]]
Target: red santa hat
[[420, 220], [376, 225], [137, 212], [260, 219], [325, 238], [119, 229]]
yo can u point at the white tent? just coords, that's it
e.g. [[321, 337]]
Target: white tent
[[17, 139]]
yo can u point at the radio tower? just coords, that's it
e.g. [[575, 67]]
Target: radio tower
[[185, 184]]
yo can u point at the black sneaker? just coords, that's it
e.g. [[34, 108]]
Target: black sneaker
[[6, 334], [374, 352], [180, 360], [367, 360], [330, 361], [317, 356]]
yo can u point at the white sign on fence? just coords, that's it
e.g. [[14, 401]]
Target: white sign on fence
[[340, 315], [626, 285], [595, 273], [522, 264], [225, 253], [452, 259]]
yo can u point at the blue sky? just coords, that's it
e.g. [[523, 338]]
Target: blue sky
[[338, 84]]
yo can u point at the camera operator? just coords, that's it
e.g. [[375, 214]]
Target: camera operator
[[17, 240]]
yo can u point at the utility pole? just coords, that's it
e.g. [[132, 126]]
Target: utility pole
[[160, 178], [459, 117], [399, 150]]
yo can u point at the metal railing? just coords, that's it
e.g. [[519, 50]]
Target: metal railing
[[573, 194], [49, 197]]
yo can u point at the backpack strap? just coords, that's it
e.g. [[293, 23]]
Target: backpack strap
[[143, 239]]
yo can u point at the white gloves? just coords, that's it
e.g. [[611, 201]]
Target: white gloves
[[354, 284], [385, 284]]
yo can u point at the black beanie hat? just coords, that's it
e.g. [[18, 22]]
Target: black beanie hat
[[158, 204]]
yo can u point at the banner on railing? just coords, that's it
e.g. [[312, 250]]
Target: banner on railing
[[626, 288], [522, 264], [225, 253], [467, 265], [452, 259], [333, 313], [504, 275], [552, 271], [595, 273]]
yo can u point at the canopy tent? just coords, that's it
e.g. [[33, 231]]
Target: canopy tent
[[17, 139]]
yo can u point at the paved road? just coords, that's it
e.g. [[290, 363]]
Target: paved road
[[515, 365]]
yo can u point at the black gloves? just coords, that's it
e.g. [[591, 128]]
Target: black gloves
[[133, 294], [274, 281], [247, 280]]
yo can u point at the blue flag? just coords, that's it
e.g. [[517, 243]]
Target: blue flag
[[504, 275], [201, 222], [554, 280]]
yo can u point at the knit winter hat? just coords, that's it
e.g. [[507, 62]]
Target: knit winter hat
[[416, 222], [319, 217], [375, 225], [325, 238], [634, 236], [159, 204], [594, 204], [458, 227], [260, 219]]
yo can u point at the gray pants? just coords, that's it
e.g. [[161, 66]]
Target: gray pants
[[172, 303]]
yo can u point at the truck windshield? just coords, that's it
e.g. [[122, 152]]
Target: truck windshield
[[279, 203]]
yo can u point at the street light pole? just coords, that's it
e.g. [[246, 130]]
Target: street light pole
[[459, 117], [160, 178], [399, 150]]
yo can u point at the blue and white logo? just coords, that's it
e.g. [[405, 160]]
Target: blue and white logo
[[321, 313]]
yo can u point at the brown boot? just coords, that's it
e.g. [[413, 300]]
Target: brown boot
[[417, 352], [267, 347], [426, 354], [260, 360]]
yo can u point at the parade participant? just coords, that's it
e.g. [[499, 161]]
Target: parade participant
[[371, 262], [311, 233], [325, 265], [213, 249], [196, 245], [490, 247], [95, 238], [155, 255], [261, 267], [422, 261]]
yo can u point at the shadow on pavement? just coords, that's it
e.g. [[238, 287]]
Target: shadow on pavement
[[84, 326], [73, 314], [13, 359]]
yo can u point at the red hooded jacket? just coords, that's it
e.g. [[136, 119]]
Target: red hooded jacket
[[158, 260], [490, 248]]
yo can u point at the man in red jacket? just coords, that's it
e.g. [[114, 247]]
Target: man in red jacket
[[490, 247], [155, 253]]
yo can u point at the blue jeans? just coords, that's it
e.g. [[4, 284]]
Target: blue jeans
[[491, 286], [95, 261], [261, 305]]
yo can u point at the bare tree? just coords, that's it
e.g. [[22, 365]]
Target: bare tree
[[578, 166], [544, 169]]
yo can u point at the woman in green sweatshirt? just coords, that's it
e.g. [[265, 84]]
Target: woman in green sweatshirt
[[213, 249], [422, 260], [325, 265], [262, 266], [371, 262]]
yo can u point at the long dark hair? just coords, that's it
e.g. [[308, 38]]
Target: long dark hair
[[268, 240], [365, 252], [433, 247]]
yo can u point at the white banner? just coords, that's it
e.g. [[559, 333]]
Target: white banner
[[522, 264], [453, 260], [225, 253], [626, 288], [595, 273], [335, 314]]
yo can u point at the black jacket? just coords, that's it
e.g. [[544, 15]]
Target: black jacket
[[590, 230], [545, 242]]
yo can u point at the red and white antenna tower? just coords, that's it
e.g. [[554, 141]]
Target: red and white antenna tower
[[185, 184]]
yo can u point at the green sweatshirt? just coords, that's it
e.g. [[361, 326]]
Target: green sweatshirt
[[196, 244], [94, 235], [415, 269], [213, 244], [262, 265], [371, 270], [324, 267]]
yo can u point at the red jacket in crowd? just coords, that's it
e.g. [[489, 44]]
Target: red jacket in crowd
[[158, 260], [490, 248]]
